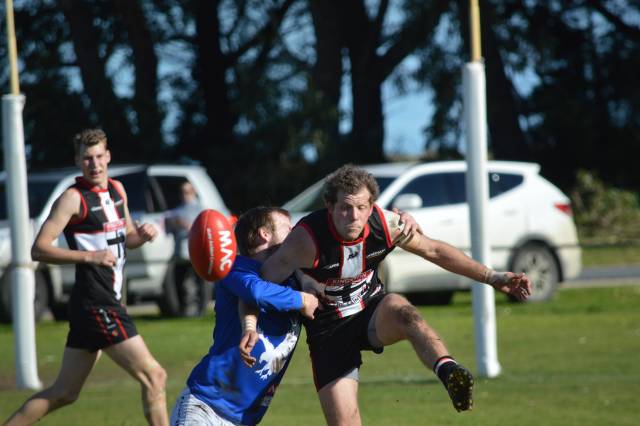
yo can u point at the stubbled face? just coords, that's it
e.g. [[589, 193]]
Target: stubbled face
[[94, 162], [282, 226], [350, 213]]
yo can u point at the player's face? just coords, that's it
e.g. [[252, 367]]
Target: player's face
[[94, 161], [351, 212], [282, 225]]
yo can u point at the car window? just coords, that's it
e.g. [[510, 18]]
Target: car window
[[38, 195], [169, 186], [440, 189], [437, 189], [140, 196], [500, 183]]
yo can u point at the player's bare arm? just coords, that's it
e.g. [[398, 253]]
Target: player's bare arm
[[297, 251], [65, 208], [137, 234], [248, 320], [454, 260]]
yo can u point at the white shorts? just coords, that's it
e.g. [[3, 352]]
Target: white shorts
[[190, 411]]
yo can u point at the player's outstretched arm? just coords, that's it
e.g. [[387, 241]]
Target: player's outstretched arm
[[454, 260]]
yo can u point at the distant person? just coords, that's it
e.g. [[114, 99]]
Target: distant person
[[94, 217], [342, 246], [180, 219], [220, 389]]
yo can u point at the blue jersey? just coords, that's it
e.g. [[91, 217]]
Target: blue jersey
[[221, 380]]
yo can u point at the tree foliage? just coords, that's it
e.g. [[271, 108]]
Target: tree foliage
[[255, 90]]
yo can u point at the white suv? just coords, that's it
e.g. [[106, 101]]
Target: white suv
[[153, 272], [531, 228]]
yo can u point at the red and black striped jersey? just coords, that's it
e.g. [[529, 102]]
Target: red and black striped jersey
[[101, 226], [349, 269]]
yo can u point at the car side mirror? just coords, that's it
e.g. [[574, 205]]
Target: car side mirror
[[407, 202]]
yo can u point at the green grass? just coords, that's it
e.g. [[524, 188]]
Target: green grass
[[611, 255], [572, 361]]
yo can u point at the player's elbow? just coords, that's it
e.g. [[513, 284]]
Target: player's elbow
[[37, 253]]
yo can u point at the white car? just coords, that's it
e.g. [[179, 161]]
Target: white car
[[530, 223], [153, 271]]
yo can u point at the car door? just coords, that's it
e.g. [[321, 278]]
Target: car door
[[443, 215], [507, 216], [146, 265]]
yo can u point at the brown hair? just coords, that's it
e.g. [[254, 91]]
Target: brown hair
[[250, 223], [349, 179], [88, 138]]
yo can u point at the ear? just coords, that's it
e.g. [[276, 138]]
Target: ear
[[264, 234], [107, 155]]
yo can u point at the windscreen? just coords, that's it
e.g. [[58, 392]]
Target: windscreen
[[38, 193]]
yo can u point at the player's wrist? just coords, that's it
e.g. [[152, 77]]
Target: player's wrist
[[489, 276], [304, 301], [249, 323]]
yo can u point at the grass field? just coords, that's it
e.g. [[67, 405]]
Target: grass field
[[611, 255], [572, 361]]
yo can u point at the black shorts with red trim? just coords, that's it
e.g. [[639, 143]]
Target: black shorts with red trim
[[336, 351], [97, 327]]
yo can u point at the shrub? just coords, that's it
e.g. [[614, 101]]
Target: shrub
[[604, 215]]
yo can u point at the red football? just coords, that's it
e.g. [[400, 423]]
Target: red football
[[212, 245]]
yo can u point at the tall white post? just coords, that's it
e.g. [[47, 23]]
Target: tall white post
[[477, 197], [22, 274]]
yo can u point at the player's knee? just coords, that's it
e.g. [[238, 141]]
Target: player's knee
[[404, 312], [66, 397], [157, 377]]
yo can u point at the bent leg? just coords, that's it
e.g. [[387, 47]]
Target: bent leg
[[339, 400], [396, 319], [76, 366], [134, 356]]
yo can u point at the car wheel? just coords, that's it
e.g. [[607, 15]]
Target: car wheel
[[537, 261], [40, 303], [184, 293]]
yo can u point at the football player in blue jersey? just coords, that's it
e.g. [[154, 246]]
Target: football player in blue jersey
[[221, 390]]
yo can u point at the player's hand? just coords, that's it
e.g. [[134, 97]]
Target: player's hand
[[103, 258], [311, 286], [516, 285], [309, 304], [247, 343], [410, 227], [146, 231]]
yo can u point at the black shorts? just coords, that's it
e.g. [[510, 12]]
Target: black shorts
[[97, 327], [337, 351]]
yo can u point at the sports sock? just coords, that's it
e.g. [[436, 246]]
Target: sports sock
[[443, 367]]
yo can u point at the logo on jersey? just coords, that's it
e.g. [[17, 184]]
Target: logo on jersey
[[375, 254], [275, 357], [353, 254]]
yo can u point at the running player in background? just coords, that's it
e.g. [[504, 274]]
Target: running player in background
[[94, 217]]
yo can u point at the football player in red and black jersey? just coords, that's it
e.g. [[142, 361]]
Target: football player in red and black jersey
[[94, 217], [341, 247]]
